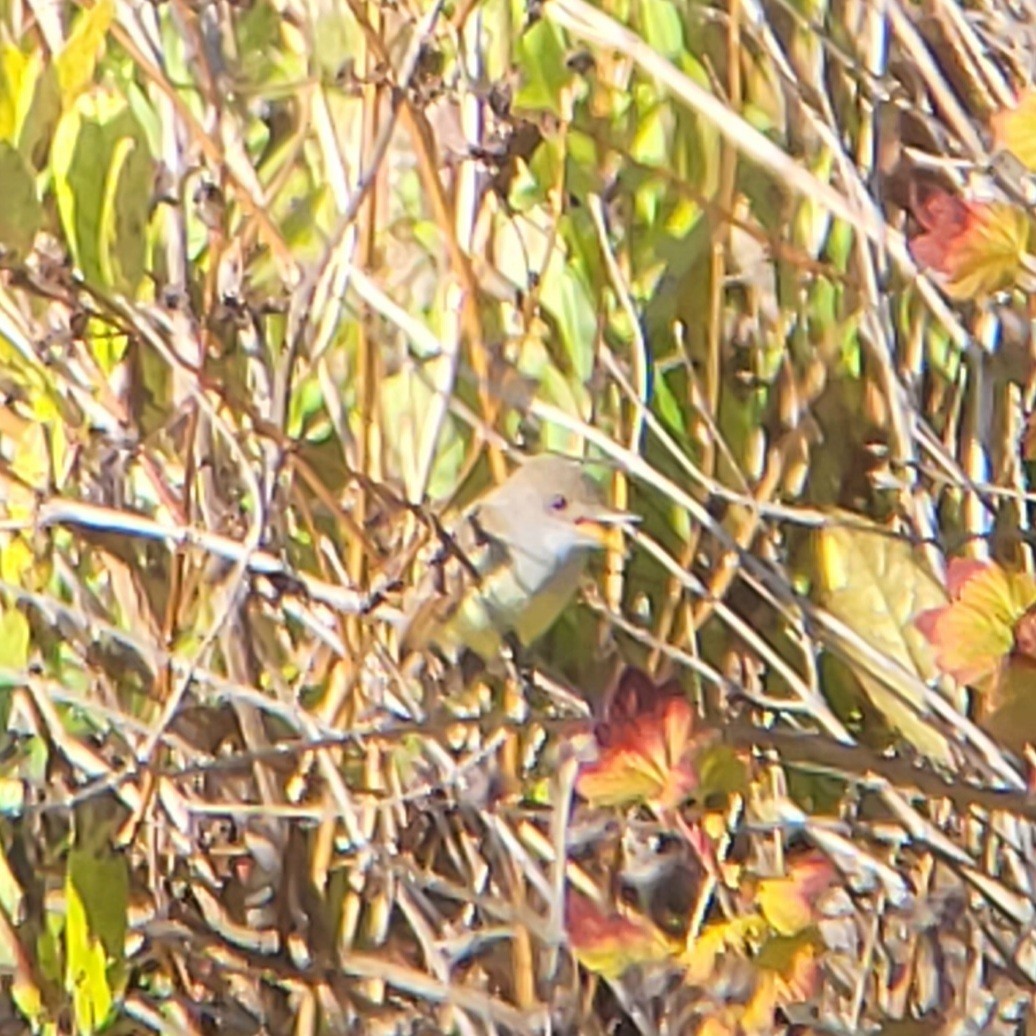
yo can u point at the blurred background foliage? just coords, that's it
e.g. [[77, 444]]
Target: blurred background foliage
[[280, 280]]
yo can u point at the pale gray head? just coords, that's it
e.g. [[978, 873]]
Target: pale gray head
[[549, 507]]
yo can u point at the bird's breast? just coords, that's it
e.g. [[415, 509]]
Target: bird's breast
[[548, 601]]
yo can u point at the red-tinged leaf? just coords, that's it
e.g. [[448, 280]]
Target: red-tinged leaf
[[943, 217], [976, 632], [959, 571], [1014, 129], [609, 943], [702, 843], [646, 747], [978, 248], [636, 694], [812, 873], [1025, 636]]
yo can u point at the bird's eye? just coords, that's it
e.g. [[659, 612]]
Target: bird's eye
[[558, 503]]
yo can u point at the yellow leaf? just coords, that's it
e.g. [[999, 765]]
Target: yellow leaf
[[735, 936], [13, 64], [781, 904], [77, 61], [989, 255], [108, 347], [31, 461], [976, 248], [85, 972], [759, 1011], [1014, 129], [1009, 708], [875, 583], [14, 639], [27, 997]]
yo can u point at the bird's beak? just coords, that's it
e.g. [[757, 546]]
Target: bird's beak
[[598, 525]]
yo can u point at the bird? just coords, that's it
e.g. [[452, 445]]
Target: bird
[[512, 561]]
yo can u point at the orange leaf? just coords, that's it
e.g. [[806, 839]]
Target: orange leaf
[[647, 746], [976, 632], [978, 248], [724, 1024], [737, 937]]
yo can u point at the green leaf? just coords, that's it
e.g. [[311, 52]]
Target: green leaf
[[669, 408], [721, 771], [101, 880], [408, 402], [102, 180], [122, 228], [582, 175], [39, 110], [568, 395], [20, 213], [541, 59], [661, 26], [840, 241], [566, 297], [306, 409], [652, 142]]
